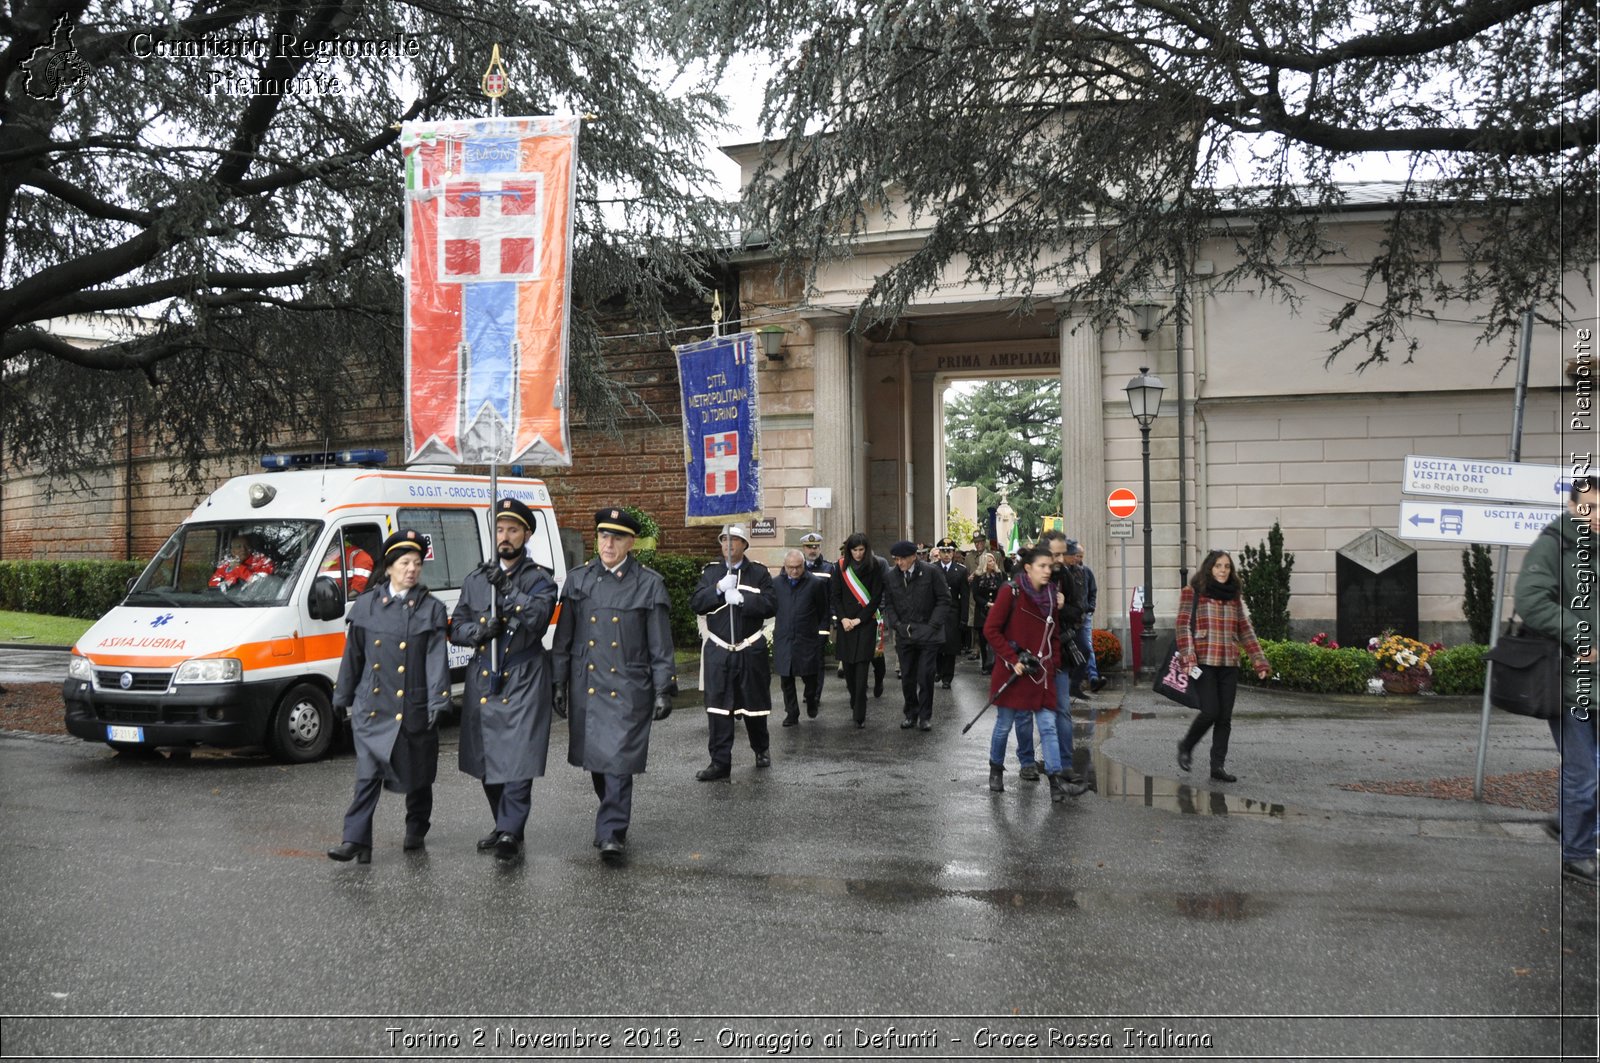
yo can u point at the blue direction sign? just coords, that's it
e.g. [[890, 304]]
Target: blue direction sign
[[1461, 522]]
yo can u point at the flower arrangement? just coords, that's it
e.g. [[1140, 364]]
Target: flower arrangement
[[1107, 648], [1321, 639], [1396, 653]]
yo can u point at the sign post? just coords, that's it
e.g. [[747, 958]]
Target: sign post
[[1122, 504]]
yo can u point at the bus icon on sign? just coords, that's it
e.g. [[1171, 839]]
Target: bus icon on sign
[[1450, 520]]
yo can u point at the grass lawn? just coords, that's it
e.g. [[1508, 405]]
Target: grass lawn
[[43, 630]]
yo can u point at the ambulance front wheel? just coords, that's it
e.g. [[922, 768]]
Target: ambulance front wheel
[[302, 728]]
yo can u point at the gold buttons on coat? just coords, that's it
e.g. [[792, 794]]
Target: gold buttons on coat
[[486, 673], [398, 716], [483, 701], [594, 620], [591, 690], [613, 693], [613, 646], [399, 693], [616, 620], [376, 665], [591, 642], [402, 645], [401, 668], [591, 668], [377, 642]]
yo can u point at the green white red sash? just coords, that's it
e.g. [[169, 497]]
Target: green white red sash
[[858, 590]]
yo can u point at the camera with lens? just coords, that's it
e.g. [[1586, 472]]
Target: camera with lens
[[1030, 664]]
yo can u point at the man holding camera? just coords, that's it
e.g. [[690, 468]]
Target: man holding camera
[[505, 712]]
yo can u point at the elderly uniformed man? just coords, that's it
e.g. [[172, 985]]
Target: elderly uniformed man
[[614, 672], [505, 719], [394, 681], [956, 631], [735, 595]]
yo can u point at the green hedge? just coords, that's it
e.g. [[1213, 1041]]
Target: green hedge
[[84, 589], [1301, 666], [682, 574], [1459, 669]]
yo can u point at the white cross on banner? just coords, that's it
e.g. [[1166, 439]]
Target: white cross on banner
[[489, 229], [722, 463]]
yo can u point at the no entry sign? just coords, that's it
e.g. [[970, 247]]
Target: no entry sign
[[1122, 502]]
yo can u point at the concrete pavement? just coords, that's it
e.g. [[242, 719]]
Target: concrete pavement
[[867, 881]]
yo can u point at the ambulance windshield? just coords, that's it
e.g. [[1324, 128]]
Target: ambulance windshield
[[237, 563]]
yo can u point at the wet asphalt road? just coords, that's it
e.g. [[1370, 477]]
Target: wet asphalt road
[[867, 881]]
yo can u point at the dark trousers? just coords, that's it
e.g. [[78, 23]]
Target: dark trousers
[[721, 744], [855, 679], [917, 664], [358, 820], [813, 690], [946, 666], [510, 803], [880, 668], [1216, 688], [616, 806]]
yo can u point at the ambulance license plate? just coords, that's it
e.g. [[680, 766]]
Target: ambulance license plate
[[115, 733]]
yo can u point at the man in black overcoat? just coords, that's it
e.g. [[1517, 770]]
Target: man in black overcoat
[[505, 719], [802, 615], [735, 596], [614, 671], [956, 631], [916, 607]]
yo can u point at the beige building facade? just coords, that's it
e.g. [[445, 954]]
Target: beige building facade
[[1269, 431]]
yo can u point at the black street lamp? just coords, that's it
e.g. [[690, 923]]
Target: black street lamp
[[1144, 399]]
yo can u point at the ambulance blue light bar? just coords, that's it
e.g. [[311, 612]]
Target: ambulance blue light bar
[[364, 456]]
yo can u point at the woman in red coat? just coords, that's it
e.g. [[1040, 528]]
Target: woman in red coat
[[1023, 617]]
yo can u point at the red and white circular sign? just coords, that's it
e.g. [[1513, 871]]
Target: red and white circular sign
[[1122, 502]]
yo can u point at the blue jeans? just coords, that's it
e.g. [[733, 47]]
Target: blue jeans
[[1575, 739], [1086, 644], [1021, 721]]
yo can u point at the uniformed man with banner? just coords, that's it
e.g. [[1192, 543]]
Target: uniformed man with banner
[[735, 595]]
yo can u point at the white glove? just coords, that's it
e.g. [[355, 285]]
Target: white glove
[[733, 596], [727, 583]]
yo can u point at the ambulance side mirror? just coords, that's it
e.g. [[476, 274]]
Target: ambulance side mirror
[[327, 603]]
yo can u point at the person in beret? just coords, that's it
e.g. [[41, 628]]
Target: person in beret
[[735, 596], [956, 631], [614, 671], [502, 614], [394, 682], [916, 607]]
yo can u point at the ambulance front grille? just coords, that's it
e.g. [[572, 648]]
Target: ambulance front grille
[[143, 682]]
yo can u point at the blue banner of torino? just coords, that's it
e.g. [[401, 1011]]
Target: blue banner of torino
[[721, 429]]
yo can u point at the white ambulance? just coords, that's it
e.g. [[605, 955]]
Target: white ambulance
[[233, 634]]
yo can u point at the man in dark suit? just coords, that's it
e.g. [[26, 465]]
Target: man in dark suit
[[956, 631], [802, 601], [916, 607]]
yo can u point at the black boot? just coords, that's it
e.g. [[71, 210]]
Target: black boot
[[997, 782], [1058, 788]]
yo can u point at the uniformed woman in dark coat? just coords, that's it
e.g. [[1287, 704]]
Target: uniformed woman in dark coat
[[857, 590], [394, 682]]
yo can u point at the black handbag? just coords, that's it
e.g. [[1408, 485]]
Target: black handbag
[[1525, 675], [1173, 680]]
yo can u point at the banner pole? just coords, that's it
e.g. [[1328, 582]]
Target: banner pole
[[494, 596]]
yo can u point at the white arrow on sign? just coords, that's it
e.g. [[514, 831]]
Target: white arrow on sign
[[1485, 479], [1462, 522]]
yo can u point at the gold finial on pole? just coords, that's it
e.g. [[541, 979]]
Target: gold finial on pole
[[716, 312], [495, 82]]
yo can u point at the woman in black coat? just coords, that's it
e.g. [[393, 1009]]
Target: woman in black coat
[[987, 580], [394, 682], [857, 592]]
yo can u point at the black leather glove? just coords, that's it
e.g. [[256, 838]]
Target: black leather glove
[[494, 574], [493, 628], [558, 701], [663, 706]]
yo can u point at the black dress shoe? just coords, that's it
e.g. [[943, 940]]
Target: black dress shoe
[[1580, 871], [612, 850], [486, 842], [713, 772], [1223, 776], [925, 725], [945, 683], [506, 847], [414, 842], [763, 759], [1097, 685], [344, 852], [907, 724], [877, 688], [811, 711], [860, 724], [1185, 758], [790, 721]]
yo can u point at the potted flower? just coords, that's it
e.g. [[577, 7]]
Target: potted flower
[[1402, 663]]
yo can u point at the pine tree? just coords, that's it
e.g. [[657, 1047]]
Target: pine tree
[[1265, 570], [1477, 573]]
